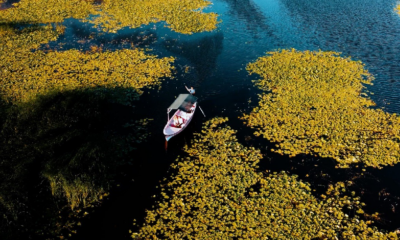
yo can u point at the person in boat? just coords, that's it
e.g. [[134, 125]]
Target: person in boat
[[178, 121], [191, 108], [190, 90]]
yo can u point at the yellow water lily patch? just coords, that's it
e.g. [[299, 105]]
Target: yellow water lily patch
[[25, 73], [184, 16], [47, 11], [217, 193], [397, 9], [314, 104]]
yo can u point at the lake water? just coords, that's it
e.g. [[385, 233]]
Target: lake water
[[214, 63]]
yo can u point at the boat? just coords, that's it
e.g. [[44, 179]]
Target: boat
[[185, 106]]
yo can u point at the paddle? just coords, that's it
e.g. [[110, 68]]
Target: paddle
[[199, 105], [202, 111]]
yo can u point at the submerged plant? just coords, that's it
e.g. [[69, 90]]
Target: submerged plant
[[314, 104], [217, 193]]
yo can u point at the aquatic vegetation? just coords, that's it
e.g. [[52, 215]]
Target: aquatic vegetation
[[25, 74], [217, 193], [75, 70], [183, 16], [314, 104], [60, 151], [53, 124], [15, 41], [47, 11], [398, 9]]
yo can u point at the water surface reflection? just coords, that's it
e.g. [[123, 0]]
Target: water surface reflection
[[215, 64], [363, 29]]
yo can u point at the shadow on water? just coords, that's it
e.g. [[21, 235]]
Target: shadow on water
[[83, 36], [202, 53], [77, 141], [379, 189], [249, 13], [136, 189], [361, 29]]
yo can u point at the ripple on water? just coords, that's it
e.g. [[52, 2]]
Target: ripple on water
[[366, 30]]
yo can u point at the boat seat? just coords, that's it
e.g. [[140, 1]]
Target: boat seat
[[182, 124]]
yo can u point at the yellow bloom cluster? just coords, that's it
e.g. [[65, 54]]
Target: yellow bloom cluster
[[313, 104], [398, 9], [25, 73], [216, 193], [184, 16], [47, 11]]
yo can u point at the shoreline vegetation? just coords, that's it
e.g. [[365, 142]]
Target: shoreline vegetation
[[314, 103], [217, 193], [62, 149]]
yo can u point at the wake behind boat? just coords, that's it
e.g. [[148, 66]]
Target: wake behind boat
[[186, 105]]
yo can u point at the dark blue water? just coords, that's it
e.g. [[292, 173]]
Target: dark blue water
[[365, 30]]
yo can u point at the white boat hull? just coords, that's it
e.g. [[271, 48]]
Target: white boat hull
[[170, 130]]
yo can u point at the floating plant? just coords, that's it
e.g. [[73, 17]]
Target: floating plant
[[184, 16], [217, 193], [47, 11], [314, 103], [398, 9], [53, 127], [25, 73]]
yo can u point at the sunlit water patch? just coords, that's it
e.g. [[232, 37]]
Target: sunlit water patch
[[365, 30]]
